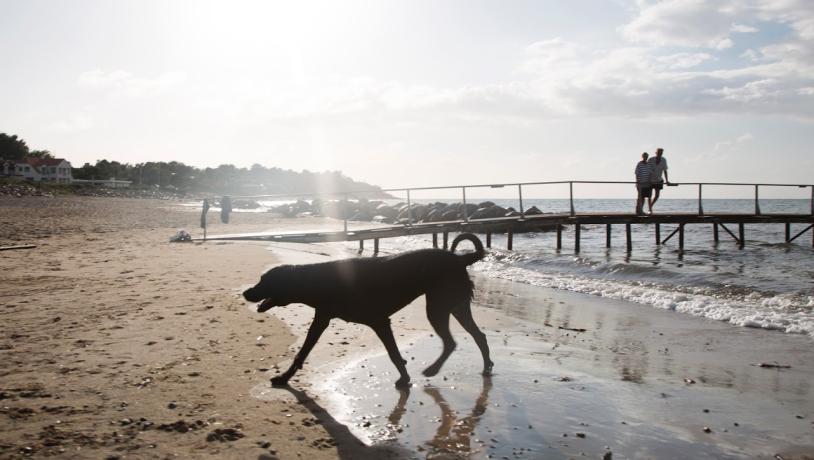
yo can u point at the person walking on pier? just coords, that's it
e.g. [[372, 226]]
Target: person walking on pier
[[658, 167], [643, 185]]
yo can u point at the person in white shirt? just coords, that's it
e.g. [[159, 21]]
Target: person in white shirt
[[658, 167]]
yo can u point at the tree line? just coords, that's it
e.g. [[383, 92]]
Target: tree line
[[225, 178]]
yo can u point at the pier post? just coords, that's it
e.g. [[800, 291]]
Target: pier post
[[375, 245], [788, 232], [488, 239], [741, 239], [757, 202], [715, 232], [700, 202], [681, 237], [446, 241], [628, 239], [509, 239], [520, 195], [658, 234], [559, 237], [571, 196], [466, 217], [435, 240], [361, 246], [409, 209], [608, 235], [576, 237]]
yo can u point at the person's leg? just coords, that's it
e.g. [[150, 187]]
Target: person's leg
[[638, 200], [657, 191]]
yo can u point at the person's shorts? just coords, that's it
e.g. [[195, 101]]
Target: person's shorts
[[645, 191], [657, 185]]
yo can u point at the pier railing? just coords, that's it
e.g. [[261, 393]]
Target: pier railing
[[410, 191]]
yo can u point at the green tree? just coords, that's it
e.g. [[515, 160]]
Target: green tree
[[12, 147], [40, 154]]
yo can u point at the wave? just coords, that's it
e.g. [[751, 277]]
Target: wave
[[790, 312]]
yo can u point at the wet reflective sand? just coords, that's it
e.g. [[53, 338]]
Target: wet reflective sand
[[636, 383]]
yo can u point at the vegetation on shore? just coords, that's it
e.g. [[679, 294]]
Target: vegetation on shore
[[179, 177]]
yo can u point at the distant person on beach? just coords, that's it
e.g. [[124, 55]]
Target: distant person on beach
[[658, 167], [225, 208], [643, 186], [204, 210]]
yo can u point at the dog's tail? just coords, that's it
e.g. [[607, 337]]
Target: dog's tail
[[470, 257]]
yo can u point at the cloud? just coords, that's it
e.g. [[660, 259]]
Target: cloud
[[728, 146], [124, 83], [74, 123], [691, 23]]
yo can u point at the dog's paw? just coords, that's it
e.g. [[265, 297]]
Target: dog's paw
[[487, 370], [403, 383], [431, 371], [279, 381]]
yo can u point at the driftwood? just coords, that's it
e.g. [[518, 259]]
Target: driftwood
[[772, 365], [575, 329], [21, 246]]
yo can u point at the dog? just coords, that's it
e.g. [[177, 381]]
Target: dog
[[369, 290]]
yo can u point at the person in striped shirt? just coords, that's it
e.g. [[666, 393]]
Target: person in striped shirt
[[643, 186]]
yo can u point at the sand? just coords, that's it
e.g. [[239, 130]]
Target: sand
[[117, 343]]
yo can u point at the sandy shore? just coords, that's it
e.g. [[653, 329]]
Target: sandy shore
[[116, 343]]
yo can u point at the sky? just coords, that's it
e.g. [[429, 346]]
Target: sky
[[420, 93]]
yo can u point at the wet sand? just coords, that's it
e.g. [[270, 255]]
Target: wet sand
[[117, 343]]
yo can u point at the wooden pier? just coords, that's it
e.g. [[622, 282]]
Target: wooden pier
[[560, 223]]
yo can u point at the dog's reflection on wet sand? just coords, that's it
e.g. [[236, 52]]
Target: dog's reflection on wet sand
[[453, 438]]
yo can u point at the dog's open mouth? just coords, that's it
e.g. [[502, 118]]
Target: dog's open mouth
[[265, 305]]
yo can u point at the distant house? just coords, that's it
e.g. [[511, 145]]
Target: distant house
[[38, 169]]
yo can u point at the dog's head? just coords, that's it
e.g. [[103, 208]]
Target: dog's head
[[273, 289]]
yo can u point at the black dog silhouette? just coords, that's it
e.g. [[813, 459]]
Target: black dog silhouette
[[369, 290]]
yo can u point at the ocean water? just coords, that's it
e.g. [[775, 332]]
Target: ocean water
[[768, 284]]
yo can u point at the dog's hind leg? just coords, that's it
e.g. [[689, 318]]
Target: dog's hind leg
[[464, 316], [319, 324], [438, 314], [385, 333]]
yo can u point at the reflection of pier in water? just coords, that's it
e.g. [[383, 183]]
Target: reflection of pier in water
[[718, 222]]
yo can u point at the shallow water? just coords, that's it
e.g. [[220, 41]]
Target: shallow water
[[769, 284], [619, 383]]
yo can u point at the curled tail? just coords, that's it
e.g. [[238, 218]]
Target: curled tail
[[470, 257]]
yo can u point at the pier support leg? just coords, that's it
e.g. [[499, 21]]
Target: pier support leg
[[488, 239], [446, 241], [435, 240], [628, 239], [577, 229], [681, 237], [509, 239], [608, 235], [788, 232], [559, 237], [375, 246], [361, 246], [741, 239], [715, 233], [658, 234]]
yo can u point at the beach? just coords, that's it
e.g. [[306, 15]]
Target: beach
[[119, 344]]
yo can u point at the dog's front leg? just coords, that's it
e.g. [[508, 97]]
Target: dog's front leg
[[385, 333], [319, 324]]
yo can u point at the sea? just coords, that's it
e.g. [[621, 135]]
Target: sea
[[768, 284]]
